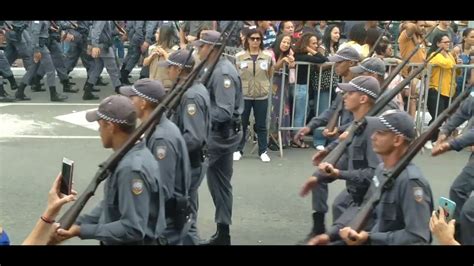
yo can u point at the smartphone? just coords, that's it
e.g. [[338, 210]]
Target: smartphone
[[66, 180], [449, 206]]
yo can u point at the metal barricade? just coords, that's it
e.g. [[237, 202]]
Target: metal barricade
[[296, 106]]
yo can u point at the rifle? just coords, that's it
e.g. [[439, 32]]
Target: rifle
[[335, 116], [360, 220], [121, 30], [8, 25], [372, 50], [53, 26], [382, 101], [73, 24], [106, 168], [399, 67]]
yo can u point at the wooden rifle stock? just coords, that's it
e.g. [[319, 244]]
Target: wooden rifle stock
[[381, 102], [332, 123], [360, 220], [121, 30]]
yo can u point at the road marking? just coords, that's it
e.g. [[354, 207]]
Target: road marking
[[79, 119]]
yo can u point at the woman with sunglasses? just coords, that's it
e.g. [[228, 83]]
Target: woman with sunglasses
[[255, 69]]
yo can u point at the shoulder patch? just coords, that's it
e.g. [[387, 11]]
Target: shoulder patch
[[227, 83], [137, 186], [418, 194], [161, 152], [191, 109]]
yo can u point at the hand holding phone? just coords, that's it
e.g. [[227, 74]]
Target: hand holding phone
[[66, 179], [448, 206]]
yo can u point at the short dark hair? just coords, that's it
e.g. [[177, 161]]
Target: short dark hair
[[250, 33], [126, 128]]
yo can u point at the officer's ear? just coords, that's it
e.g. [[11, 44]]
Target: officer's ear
[[399, 140]]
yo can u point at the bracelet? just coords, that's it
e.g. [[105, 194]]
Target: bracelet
[[47, 220]]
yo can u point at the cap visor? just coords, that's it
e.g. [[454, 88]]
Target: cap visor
[[376, 123], [346, 87], [92, 116], [127, 91], [334, 58], [356, 69], [197, 43]]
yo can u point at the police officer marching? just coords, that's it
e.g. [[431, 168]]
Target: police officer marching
[[193, 118], [132, 211], [227, 103], [169, 148]]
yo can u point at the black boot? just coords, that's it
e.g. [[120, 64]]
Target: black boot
[[318, 227], [67, 86], [88, 92], [117, 89], [13, 85], [4, 97], [124, 77], [220, 238], [93, 88], [101, 82], [20, 93], [55, 96], [36, 84]]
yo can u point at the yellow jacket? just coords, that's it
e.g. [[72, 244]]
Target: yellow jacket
[[444, 67]]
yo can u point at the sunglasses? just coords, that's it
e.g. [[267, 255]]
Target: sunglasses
[[255, 39]]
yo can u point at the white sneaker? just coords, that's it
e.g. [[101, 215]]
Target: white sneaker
[[320, 147], [237, 155], [429, 145], [264, 157]]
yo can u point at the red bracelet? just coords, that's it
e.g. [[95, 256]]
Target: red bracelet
[[46, 220]]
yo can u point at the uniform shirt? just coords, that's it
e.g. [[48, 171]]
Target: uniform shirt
[[193, 117], [102, 34], [133, 206], [255, 74], [362, 161], [462, 114], [323, 118], [403, 212], [168, 147], [225, 92]]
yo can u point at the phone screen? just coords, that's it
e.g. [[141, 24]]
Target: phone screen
[[67, 172]]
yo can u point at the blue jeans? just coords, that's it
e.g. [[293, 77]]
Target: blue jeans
[[301, 94], [318, 137]]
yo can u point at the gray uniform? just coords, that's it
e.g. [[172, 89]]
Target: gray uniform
[[102, 36], [56, 52], [39, 40], [169, 149], [323, 118], [193, 118], [227, 103], [132, 211], [463, 185], [78, 47], [361, 163], [402, 215], [136, 40], [17, 44], [5, 69]]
